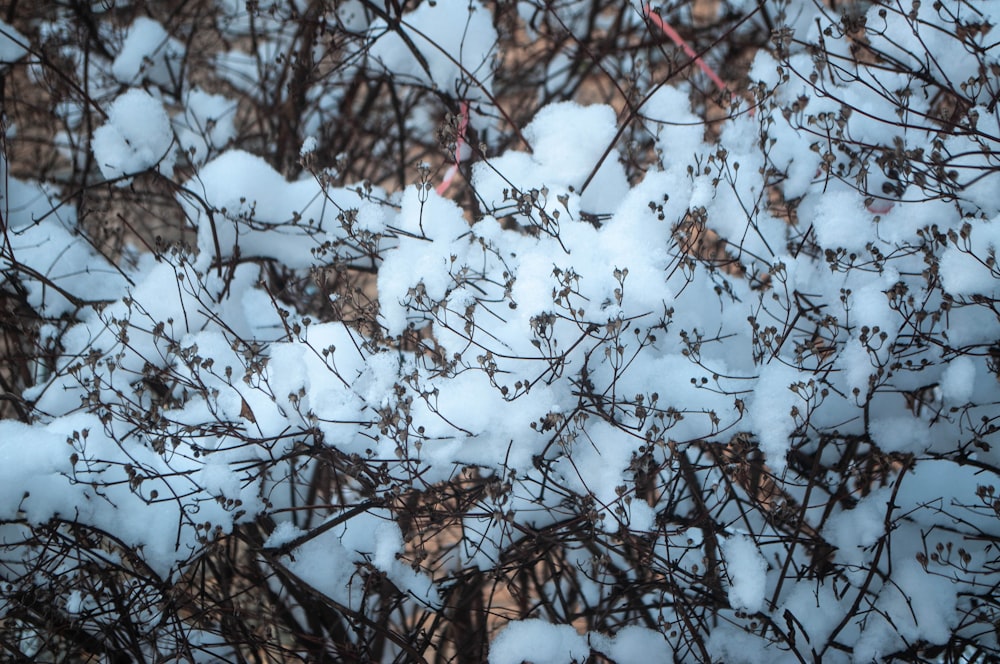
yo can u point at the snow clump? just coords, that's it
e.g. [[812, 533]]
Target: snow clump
[[136, 138], [149, 53]]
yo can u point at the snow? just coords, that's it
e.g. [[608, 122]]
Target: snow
[[206, 126], [638, 645], [420, 260], [958, 382], [308, 146], [327, 561], [352, 16], [900, 433], [136, 138], [856, 364], [917, 606], [747, 573], [596, 466], [556, 133], [538, 642], [840, 221], [870, 308], [45, 462], [770, 410], [855, 531], [12, 44], [148, 52], [252, 209], [282, 534], [572, 352], [963, 274], [730, 643], [47, 241], [568, 141], [816, 607], [670, 108], [453, 42]]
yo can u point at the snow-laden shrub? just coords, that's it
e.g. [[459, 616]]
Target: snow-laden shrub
[[665, 372]]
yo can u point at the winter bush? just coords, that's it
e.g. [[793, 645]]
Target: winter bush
[[388, 331]]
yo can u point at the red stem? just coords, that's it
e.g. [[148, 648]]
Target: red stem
[[463, 124]]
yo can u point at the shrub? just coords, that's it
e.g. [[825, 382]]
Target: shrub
[[380, 331]]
